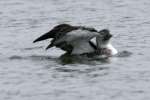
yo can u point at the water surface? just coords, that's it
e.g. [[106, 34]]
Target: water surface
[[28, 72]]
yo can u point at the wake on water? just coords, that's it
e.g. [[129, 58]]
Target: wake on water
[[70, 59]]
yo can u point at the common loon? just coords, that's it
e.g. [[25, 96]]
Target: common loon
[[78, 40]]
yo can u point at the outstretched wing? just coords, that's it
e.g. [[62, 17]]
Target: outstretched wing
[[77, 40], [73, 39], [56, 32]]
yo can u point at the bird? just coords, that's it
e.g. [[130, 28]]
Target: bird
[[79, 40]]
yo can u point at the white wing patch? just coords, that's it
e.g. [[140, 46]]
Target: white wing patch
[[93, 40]]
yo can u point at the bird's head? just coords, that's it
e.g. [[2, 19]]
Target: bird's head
[[104, 38]]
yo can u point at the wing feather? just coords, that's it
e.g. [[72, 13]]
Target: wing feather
[[79, 40]]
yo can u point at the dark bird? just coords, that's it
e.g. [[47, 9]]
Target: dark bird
[[77, 40]]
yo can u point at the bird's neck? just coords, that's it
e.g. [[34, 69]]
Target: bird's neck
[[101, 44]]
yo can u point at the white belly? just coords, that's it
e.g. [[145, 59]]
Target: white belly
[[113, 50]]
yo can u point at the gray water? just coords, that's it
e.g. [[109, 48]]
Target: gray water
[[28, 72]]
